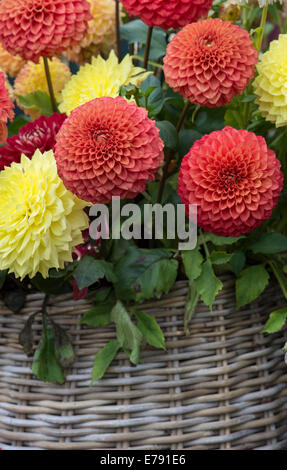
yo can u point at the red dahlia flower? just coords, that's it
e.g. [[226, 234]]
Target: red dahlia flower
[[209, 62], [39, 134], [234, 179], [34, 28], [6, 109], [108, 147], [168, 13]]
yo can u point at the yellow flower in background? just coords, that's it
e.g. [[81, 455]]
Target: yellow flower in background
[[32, 78], [9, 63], [40, 220], [271, 83], [101, 34], [100, 78]]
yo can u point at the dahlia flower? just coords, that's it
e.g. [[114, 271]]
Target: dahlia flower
[[6, 108], [270, 84], [32, 78], [100, 78], [168, 13], [229, 11], [234, 179], [35, 28], [39, 134], [100, 37], [108, 147], [40, 221], [9, 63], [209, 62]]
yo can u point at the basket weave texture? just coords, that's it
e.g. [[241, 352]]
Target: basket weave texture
[[222, 387]]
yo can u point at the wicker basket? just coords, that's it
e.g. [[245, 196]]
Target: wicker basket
[[222, 387]]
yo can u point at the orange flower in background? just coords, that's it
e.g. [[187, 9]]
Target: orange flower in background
[[9, 63], [6, 109], [234, 180], [108, 147], [168, 13], [209, 62], [100, 37], [32, 78], [34, 28]]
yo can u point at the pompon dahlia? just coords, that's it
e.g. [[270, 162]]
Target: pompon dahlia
[[100, 78], [39, 134], [108, 147], [168, 13], [9, 63], [234, 180], [100, 37], [32, 78], [35, 28], [6, 108], [40, 221], [209, 62], [270, 84]]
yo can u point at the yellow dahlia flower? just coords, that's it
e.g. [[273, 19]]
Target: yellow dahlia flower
[[9, 63], [100, 78], [271, 83], [101, 34], [32, 78], [40, 220]]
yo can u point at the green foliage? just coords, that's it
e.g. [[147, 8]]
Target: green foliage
[[276, 321], [168, 134], [39, 100], [136, 31], [45, 364], [104, 358], [100, 315], [220, 257], [208, 285], [144, 274], [192, 261], [90, 270], [150, 329], [250, 284], [15, 126], [270, 243], [237, 262]]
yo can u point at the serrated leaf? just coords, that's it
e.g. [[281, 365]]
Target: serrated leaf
[[104, 358], [90, 270], [45, 365], [168, 134], [128, 335], [192, 261], [270, 243], [145, 274], [276, 321], [39, 100], [208, 285], [220, 241], [150, 329], [251, 284], [99, 315], [220, 257]]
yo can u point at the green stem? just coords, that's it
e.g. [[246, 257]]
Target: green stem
[[280, 278], [50, 85], [262, 27], [150, 62], [147, 47]]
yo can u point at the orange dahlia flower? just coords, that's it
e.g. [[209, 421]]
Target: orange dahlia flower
[[6, 108], [9, 63], [234, 179], [34, 28], [108, 147], [168, 13], [209, 62]]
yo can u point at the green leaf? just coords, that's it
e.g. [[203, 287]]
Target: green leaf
[[208, 285], [50, 286], [192, 261], [150, 329], [145, 274], [251, 284], [15, 299], [210, 119], [237, 262], [220, 241], [136, 31], [45, 365], [99, 315], [104, 358], [168, 134], [39, 100], [15, 126], [90, 270], [186, 138], [63, 346], [129, 336], [220, 257], [193, 297], [276, 321], [270, 243], [3, 275]]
